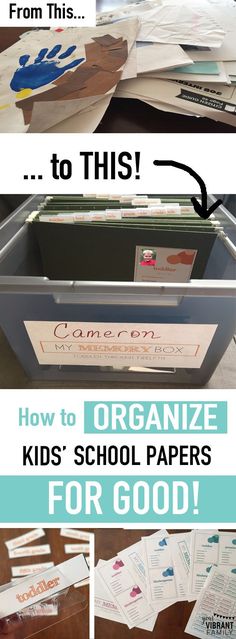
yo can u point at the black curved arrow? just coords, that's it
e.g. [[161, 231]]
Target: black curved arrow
[[201, 209]]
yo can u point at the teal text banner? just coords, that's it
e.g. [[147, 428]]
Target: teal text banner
[[118, 500], [172, 417]]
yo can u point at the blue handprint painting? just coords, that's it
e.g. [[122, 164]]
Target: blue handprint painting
[[45, 69]]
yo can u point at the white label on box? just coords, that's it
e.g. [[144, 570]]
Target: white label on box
[[116, 344], [30, 551], [151, 211], [57, 219], [41, 610], [27, 538], [43, 586], [113, 214], [28, 13], [159, 264]]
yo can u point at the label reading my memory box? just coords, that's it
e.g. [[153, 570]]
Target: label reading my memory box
[[120, 344]]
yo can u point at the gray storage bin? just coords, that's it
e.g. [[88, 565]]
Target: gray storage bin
[[25, 295]]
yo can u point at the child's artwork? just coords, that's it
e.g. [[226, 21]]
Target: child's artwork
[[50, 67], [43, 70]]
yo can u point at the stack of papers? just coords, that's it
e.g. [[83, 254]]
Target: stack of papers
[[161, 569], [141, 239], [204, 86], [175, 56]]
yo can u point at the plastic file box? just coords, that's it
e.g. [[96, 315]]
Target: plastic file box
[[44, 599], [33, 620], [27, 296]]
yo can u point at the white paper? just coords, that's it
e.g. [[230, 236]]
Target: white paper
[[221, 77], [226, 52], [47, 115], [30, 569], [209, 548], [130, 69], [72, 533], [106, 608], [231, 67], [217, 102], [215, 611], [180, 548], [164, 107], [104, 605], [83, 122], [224, 12], [126, 593], [134, 558], [168, 23], [27, 538], [161, 582], [30, 551], [182, 24], [204, 551], [71, 549], [227, 550], [153, 56]]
